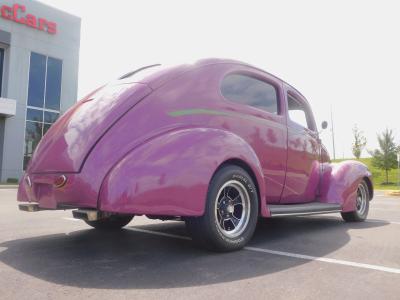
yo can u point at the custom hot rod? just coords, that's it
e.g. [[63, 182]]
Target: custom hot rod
[[217, 143]]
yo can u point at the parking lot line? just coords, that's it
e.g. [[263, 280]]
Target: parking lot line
[[282, 253], [327, 260], [71, 219], [175, 236], [339, 219]]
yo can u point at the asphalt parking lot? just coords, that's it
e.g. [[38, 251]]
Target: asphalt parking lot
[[48, 255]]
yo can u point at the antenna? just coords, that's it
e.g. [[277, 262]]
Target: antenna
[[333, 135]]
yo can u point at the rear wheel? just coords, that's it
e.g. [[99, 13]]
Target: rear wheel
[[362, 205], [113, 222], [231, 212]]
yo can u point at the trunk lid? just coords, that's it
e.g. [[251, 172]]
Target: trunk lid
[[68, 142]]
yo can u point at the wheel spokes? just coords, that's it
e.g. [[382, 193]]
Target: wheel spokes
[[232, 208], [237, 200], [235, 221]]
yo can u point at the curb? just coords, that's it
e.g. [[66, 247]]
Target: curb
[[8, 186], [392, 193]]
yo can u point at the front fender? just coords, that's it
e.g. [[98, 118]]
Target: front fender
[[170, 174], [340, 182]]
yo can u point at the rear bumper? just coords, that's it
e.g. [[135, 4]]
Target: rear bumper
[[82, 214], [40, 189]]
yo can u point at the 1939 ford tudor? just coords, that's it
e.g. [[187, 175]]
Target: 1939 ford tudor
[[218, 144]]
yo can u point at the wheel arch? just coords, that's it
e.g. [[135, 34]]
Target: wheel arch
[[159, 176], [368, 181]]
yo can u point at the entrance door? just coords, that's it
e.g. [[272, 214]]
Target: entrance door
[[303, 167]]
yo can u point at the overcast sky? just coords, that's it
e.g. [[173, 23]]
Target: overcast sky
[[341, 54]]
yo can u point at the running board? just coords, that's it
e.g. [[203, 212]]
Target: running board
[[311, 208]]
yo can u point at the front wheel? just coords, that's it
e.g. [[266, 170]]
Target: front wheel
[[362, 205], [231, 211], [113, 222]]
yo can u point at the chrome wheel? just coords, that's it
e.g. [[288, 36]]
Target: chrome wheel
[[232, 208], [362, 199]]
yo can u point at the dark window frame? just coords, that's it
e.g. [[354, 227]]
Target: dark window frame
[[2, 54]]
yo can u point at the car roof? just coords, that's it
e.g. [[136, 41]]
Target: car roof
[[210, 61], [160, 71]]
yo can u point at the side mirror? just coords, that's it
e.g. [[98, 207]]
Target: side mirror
[[324, 125]]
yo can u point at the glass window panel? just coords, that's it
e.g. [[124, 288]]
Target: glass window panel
[[33, 134], [298, 116], [50, 117], [297, 112], [53, 83], [34, 115], [250, 91], [37, 73], [46, 127]]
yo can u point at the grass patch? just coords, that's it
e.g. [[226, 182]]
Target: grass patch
[[378, 175]]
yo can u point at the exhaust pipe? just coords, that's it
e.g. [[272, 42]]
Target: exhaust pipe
[[86, 214], [29, 207]]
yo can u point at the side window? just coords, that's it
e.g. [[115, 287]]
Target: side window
[[298, 113], [250, 91]]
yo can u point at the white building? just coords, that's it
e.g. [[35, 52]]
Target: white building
[[39, 57]]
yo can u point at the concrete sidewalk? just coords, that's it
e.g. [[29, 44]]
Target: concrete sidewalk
[[8, 186]]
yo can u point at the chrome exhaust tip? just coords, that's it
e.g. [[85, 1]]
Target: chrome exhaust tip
[[29, 207], [86, 214]]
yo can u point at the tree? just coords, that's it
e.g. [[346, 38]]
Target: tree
[[359, 142], [385, 158]]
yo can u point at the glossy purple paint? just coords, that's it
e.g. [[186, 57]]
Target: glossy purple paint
[[151, 146]]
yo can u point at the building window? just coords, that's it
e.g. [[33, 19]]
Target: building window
[[44, 92]]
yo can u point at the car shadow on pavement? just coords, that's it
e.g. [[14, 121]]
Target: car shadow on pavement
[[130, 259]]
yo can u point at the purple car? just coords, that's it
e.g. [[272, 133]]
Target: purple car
[[218, 144]]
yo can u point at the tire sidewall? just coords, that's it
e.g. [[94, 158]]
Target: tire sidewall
[[220, 178], [365, 214]]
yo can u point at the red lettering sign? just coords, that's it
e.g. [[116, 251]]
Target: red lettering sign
[[17, 14]]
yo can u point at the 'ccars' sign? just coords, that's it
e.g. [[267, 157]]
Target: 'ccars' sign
[[17, 13]]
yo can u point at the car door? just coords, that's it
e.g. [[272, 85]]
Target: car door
[[255, 98], [303, 166]]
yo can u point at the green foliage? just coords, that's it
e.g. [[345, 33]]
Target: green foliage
[[359, 142], [12, 180], [385, 158], [379, 177]]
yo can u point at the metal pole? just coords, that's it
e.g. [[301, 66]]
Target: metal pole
[[398, 168], [333, 136]]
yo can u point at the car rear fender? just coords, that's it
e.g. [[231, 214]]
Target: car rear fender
[[340, 182], [170, 174]]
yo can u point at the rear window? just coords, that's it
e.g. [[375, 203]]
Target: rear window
[[250, 91]]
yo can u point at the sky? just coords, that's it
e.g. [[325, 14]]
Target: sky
[[342, 56]]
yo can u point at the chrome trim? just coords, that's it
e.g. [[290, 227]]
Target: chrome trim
[[64, 181], [28, 181], [306, 213]]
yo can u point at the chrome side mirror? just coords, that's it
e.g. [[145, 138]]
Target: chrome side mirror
[[324, 125]]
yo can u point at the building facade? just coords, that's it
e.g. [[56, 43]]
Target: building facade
[[39, 58]]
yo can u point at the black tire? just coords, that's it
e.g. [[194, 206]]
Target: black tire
[[229, 186], [362, 205], [113, 222]]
